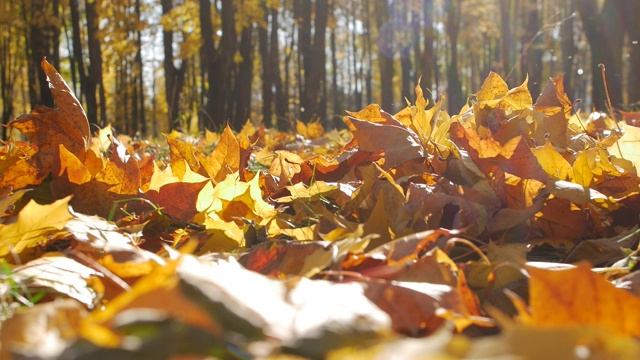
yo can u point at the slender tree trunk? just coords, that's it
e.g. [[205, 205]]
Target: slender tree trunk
[[632, 19], [243, 78], [428, 58], [10, 64], [174, 76], [385, 54], [95, 61], [531, 61], [90, 97], [220, 61], [282, 93], [454, 88], [569, 49], [369, 55], [38, 46], [337, 104], [604, 32], [508, 40], [140, 116], [267, 75]]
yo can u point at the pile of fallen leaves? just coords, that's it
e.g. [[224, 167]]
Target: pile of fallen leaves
[[509, 229]]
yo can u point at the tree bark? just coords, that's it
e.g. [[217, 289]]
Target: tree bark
[[385, 54], [218, 60], [632, 19], [427, 52], [454, 87], [95, 62], [605, 35], [267, 76], [569, 49], [531, 59], [174, 76], [244, 76]]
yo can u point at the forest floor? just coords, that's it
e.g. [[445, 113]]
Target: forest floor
[[508, 230]]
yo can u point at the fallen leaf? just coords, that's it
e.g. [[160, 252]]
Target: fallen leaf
[[580, 297], [399, 143], [43, 331], [34, 225], [225, 158], [48, 128], [557, 107]]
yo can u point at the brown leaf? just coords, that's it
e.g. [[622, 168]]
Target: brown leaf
[[42, 331], [177, 199], [281, 257], [399, 143], [48, 128], [515, 157]]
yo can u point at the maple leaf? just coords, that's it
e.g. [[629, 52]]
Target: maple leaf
[[382, 131], [225, 158], [557, 107], [578, 296], [48, 128], [35, 223]]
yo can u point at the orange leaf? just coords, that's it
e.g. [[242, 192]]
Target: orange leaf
[[515, 157], [177, 199], [47, 127], [578, 296], [122, 171], [399, 143], [225, 158], [181, 152], [556, 106]]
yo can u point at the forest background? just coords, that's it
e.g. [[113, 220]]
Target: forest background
[[151, 66]]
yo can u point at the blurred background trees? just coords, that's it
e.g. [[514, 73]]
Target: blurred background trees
[[151, 66]]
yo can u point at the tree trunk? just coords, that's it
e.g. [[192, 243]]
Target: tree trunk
[[10, 66], [427, 52], [632, 19], [282, 94], [605, 36], [39, 44], [244, 77], [569, 49], [267, 76], [140, 116], [219, 61], [454, 87], [311, 47], [385, 54], [174, 76], [531, 61], [95, 61], [508, 42]]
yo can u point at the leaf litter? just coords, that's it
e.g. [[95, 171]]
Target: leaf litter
[[411, 235]]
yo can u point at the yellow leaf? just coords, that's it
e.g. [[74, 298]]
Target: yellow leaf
[[285, 165], [35, 223], [370, 113], [492, 88], [420, 119], [235, 200], [181, 152], [553, 163], [580, 297]]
